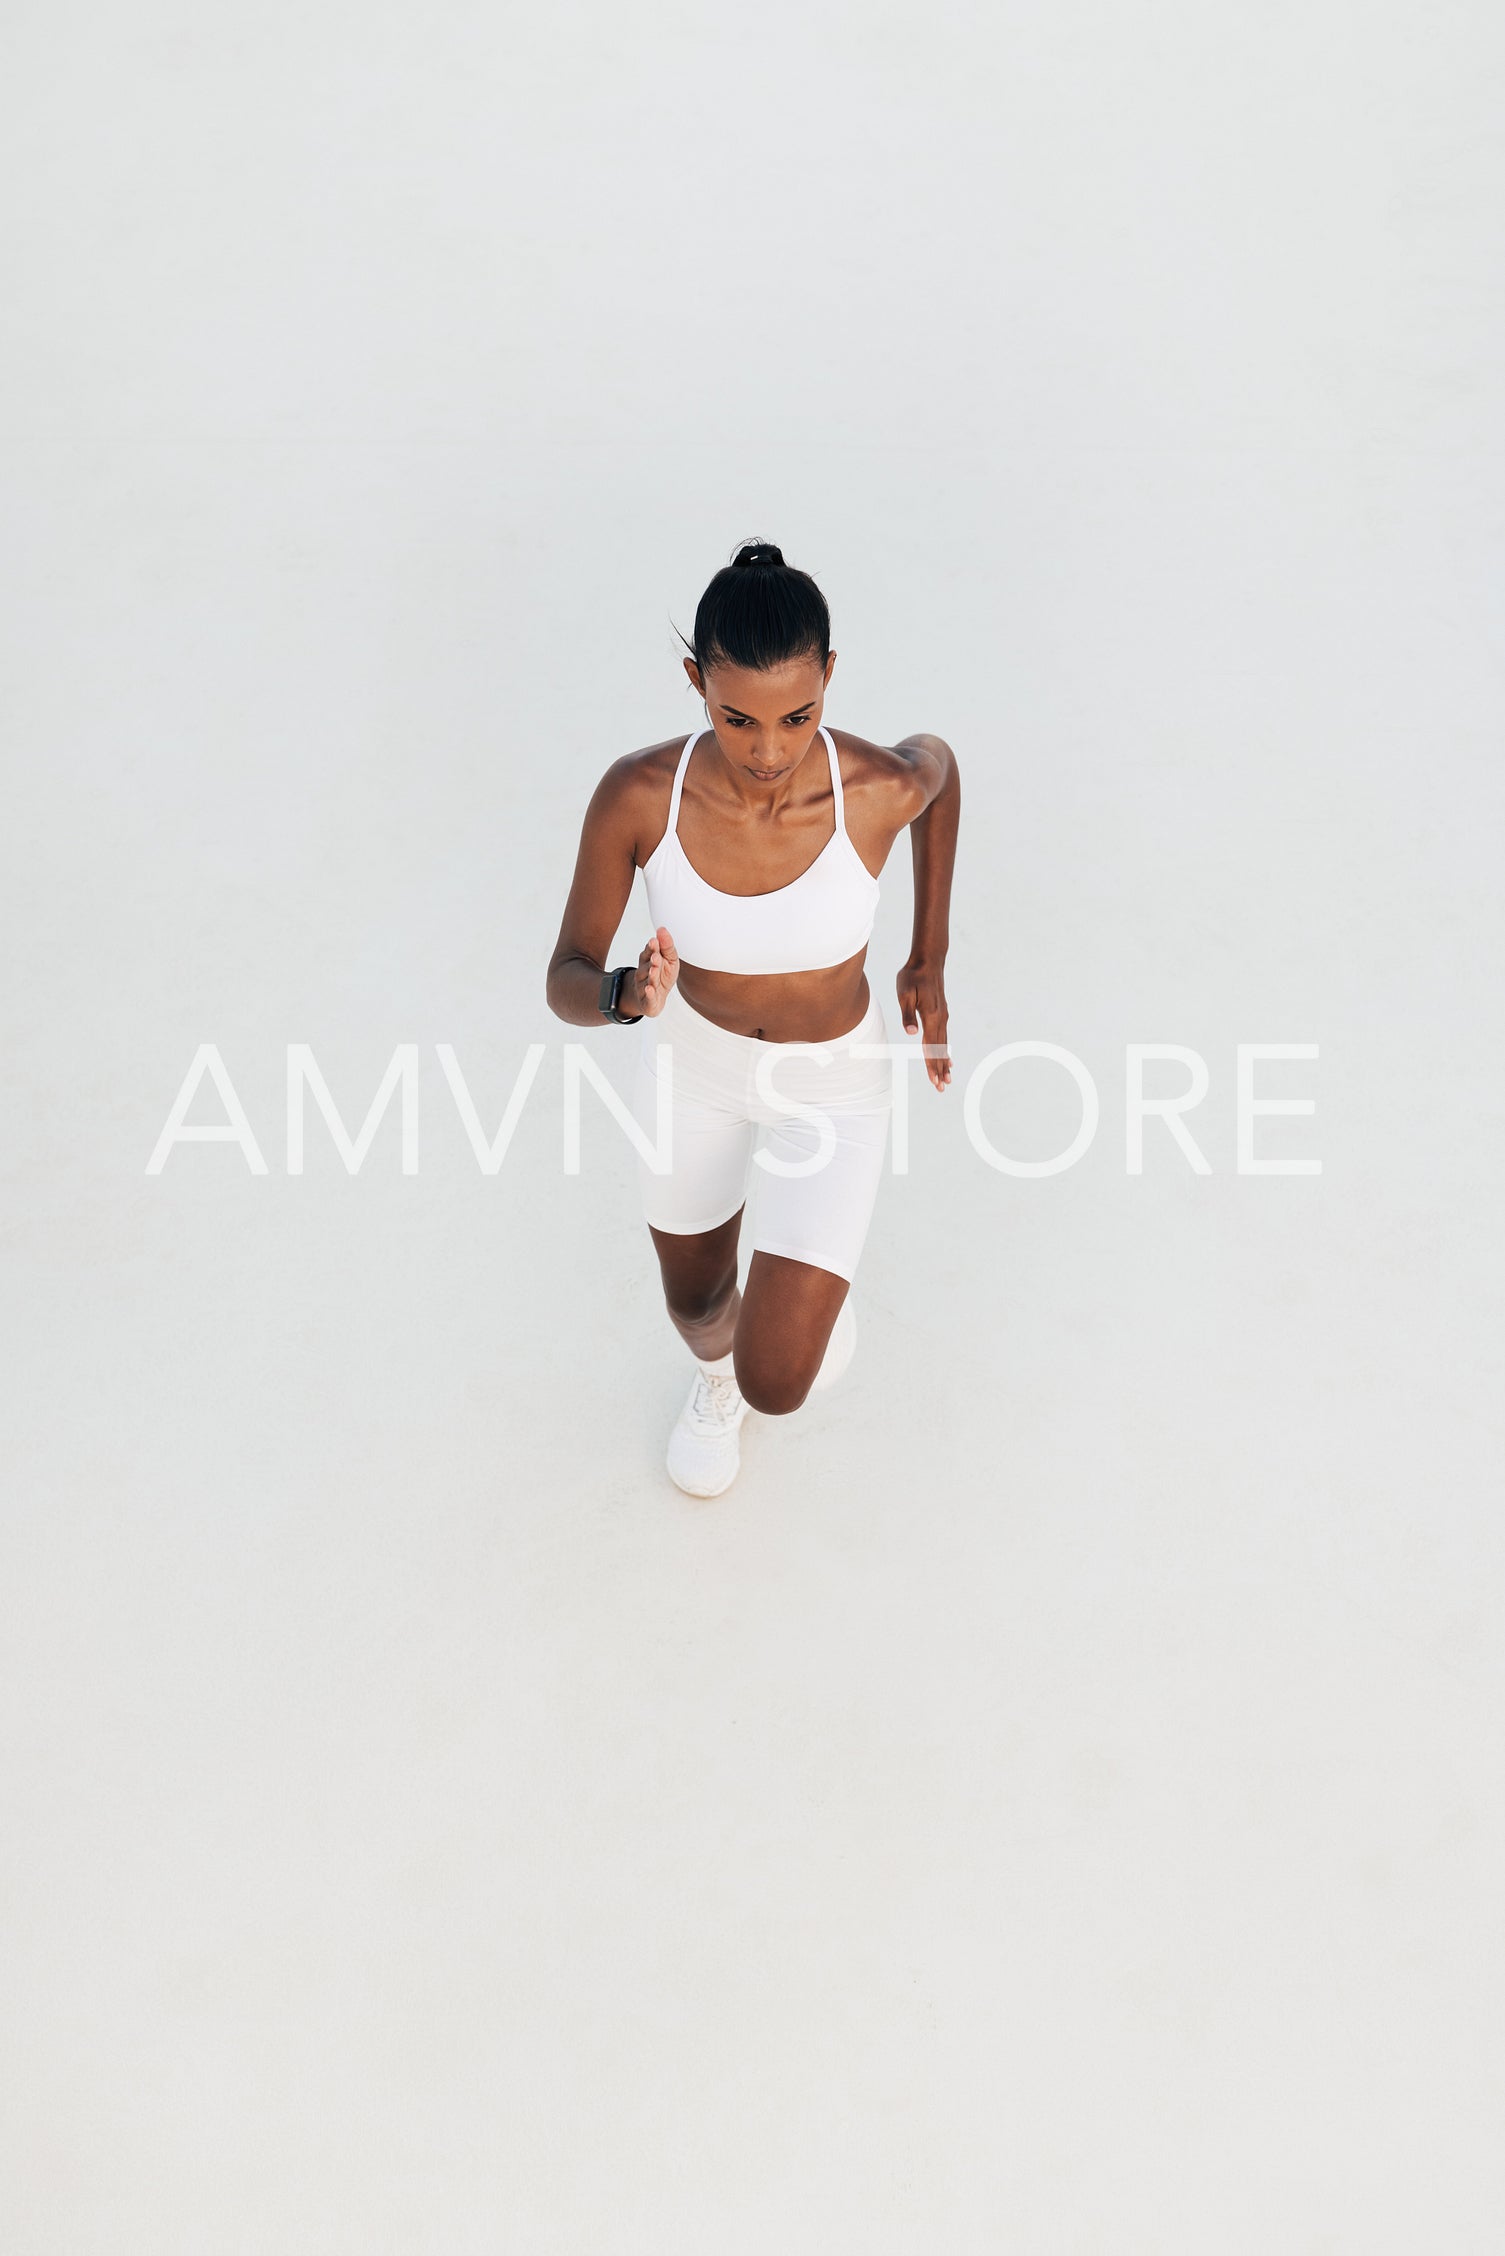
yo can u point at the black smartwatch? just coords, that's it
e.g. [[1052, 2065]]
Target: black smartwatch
[[611, 988]]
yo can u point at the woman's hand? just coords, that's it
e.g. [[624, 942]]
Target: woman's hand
[[922, 1005], [657, 970]]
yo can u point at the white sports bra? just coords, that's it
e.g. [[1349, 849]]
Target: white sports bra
[[820, 918]]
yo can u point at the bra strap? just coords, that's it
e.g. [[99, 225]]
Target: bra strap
[[690, 743], [841, 814]]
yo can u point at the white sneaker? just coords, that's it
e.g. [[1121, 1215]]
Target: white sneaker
[[840, 1348], [704, 1451]]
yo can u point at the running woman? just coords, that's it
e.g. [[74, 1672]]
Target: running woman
[[761, 839]]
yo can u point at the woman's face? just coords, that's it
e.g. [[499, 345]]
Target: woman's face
[[765, 722]]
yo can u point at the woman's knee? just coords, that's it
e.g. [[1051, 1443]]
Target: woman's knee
[[773, 1386], [699, 1281], [695, 1303]]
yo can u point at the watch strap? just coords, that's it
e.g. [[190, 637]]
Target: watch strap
[[611, 988]]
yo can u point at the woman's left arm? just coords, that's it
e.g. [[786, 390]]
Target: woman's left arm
[[921, 981]]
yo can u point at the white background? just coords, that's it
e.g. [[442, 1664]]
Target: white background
[[1053, 1801]]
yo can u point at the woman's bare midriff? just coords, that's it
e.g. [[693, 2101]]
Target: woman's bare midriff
[[782, 1006]]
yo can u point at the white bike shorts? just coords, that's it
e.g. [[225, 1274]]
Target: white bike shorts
[[732, 1115]]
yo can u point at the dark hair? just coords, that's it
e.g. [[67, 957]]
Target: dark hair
[[760, 612]]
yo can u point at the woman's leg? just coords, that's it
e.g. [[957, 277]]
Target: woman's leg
[[699, 1275], [808, 1235], [783, 1329], [810, 1227], [694, 1212]]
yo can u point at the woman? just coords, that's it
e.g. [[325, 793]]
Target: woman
[[761, 841]]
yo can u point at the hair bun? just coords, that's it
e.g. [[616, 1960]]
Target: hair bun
[[758, 552]]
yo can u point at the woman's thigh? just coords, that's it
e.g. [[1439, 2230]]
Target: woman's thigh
[[784, 1327], [708, 1146], [808, 1234], [813, 1207]]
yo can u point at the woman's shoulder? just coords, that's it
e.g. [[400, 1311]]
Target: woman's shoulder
[[634, 792], [632, 774], [881, 773]]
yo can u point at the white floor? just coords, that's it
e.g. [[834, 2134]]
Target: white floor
[[1053, 1801]]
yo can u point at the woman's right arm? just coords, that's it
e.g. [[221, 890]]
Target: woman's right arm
[[604, 869]]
